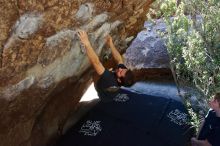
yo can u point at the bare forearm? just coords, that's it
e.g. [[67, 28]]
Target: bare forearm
[[93, 58], [116, 55], [91, 54], [196, 142]]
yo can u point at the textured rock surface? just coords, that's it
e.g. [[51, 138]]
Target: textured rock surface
[[148, 50], [43, 68], [148, 55]]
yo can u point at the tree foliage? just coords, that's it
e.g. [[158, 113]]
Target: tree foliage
[[193, 41]]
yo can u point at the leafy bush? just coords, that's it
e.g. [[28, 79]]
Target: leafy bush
[[193, 43]]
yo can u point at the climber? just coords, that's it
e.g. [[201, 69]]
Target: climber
[[209, 133], [109, 81]]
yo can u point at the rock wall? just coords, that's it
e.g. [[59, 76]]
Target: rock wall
[[43, 67], [148, 50], [149, 58], [148, 55]]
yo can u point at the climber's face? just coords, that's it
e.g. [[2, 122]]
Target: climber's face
[[120, 72], [214, 104]]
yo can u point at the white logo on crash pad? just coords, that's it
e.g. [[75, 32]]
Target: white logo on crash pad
[[178, 117], [91, 128], [121, 98]]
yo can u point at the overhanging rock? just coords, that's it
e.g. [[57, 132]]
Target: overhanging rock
[[43, 67]]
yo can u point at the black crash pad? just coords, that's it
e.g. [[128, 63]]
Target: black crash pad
[[132, 119]]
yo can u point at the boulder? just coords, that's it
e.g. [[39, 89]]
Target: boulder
[[147, 55], [43, 67], [148, 50]]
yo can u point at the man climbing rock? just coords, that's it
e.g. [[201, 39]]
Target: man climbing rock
[[109, 81]]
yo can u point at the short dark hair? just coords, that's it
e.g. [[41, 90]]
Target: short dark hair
[[128, 79], [217, 96]]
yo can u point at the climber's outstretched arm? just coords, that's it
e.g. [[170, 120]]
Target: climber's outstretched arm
[[116, 55], [94, 59]]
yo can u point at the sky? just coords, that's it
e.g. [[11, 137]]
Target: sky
[[90, 94]]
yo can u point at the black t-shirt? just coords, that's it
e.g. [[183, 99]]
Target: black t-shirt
[[107, 85], [211, 129]]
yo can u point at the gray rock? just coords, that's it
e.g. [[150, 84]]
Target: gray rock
[[85, 12], [27, 25], [148, 50]]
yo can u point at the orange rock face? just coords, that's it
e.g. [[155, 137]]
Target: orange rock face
[[43, 68]]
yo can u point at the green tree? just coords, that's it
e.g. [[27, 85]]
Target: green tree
[[193, 43]]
